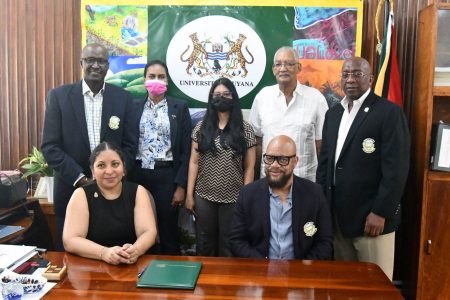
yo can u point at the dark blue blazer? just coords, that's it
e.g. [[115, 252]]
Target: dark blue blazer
[[250, 227], [180, 136], [365, 181], [65, 141]]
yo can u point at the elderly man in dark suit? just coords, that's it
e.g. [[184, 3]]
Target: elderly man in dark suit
[[78, 117], [363, 166], [281, 216]]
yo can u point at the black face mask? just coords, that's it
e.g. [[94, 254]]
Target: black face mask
[[222, 104]]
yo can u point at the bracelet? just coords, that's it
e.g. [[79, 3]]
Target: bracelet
[[101, 253]]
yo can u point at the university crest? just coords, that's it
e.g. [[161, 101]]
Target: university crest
[[221, 56]]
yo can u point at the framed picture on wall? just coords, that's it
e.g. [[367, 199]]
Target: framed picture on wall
[[440, 147]]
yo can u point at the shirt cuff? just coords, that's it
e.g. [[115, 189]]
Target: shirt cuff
[[81, 176]]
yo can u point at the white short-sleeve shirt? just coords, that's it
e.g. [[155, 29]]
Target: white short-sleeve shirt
[[302, 120]]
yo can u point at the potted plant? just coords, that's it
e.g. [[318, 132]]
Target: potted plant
[[35, 163]]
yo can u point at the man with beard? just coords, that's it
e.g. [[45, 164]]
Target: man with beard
[[281, 216]]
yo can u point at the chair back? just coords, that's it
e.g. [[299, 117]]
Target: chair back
[[155, 248]]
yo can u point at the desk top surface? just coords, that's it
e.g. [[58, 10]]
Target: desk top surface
[[17, 215], [227, 278]]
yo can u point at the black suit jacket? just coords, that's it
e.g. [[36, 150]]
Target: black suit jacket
[[250, 231], [65, 141], [180, 136], [365, 181]]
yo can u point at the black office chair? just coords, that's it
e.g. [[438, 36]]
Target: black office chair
[[155, 249]]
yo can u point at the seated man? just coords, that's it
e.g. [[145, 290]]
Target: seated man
[[281, 216]]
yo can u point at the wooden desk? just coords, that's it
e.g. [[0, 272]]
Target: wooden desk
[[227, 278]]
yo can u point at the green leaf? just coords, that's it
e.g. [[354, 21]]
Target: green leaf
[[35, 163], [26, 166], [34, 169]]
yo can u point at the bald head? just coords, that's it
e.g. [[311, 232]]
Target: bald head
[[282, 145], [356, 77], [96, 48], [362, 63], [280, 160]]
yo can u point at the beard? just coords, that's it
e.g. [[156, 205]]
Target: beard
[[278, 183]]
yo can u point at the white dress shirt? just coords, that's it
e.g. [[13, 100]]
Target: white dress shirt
[[302, 120], [93, 110], [346, 121]]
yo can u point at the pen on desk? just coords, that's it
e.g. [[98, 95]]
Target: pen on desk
[[141, 272]]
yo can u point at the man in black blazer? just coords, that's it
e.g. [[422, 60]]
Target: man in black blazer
[[363, 166], [281, 216], [78, 117]]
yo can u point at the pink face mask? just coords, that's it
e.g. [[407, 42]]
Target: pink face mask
[[155, 87]]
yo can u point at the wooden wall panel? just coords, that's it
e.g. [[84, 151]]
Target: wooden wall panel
[[40, 50]]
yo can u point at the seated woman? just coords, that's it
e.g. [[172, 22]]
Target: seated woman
[[110, 219]]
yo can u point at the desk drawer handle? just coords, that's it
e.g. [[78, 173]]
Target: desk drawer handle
[[429, 247]]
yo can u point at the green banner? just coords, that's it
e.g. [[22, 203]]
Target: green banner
[[237, 39], [273, 25]]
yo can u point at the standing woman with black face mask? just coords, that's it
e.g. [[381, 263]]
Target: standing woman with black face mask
[[222, 161]]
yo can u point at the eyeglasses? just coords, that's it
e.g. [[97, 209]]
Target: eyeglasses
[[288, 65], [224, 94], [92, 60], [282, 160], [356, 75]]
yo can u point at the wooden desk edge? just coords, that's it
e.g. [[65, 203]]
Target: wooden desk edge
[[208, 281]]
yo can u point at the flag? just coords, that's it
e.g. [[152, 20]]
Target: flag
[[388, 83]]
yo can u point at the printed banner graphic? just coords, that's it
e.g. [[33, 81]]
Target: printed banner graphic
[[202, 43]]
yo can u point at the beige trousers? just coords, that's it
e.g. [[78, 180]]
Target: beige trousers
[[379, 250]]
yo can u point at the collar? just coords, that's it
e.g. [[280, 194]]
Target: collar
[[299, 89], [87, 89], [151, 104], [288, 197], [359, 101]]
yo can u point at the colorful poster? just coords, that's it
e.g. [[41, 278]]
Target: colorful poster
[[324, 37], [204, 40]]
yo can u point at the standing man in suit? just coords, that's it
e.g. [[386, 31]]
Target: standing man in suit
[[281, 216], [78, 117], [363, 166], [163, 155]]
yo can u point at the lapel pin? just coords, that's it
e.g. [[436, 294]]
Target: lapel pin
[[366, 109], [309, 228], [174, 116], [95, 195], [368, 145], [114, 123]]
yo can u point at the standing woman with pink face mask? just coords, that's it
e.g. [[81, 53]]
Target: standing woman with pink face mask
[[163, 154]]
